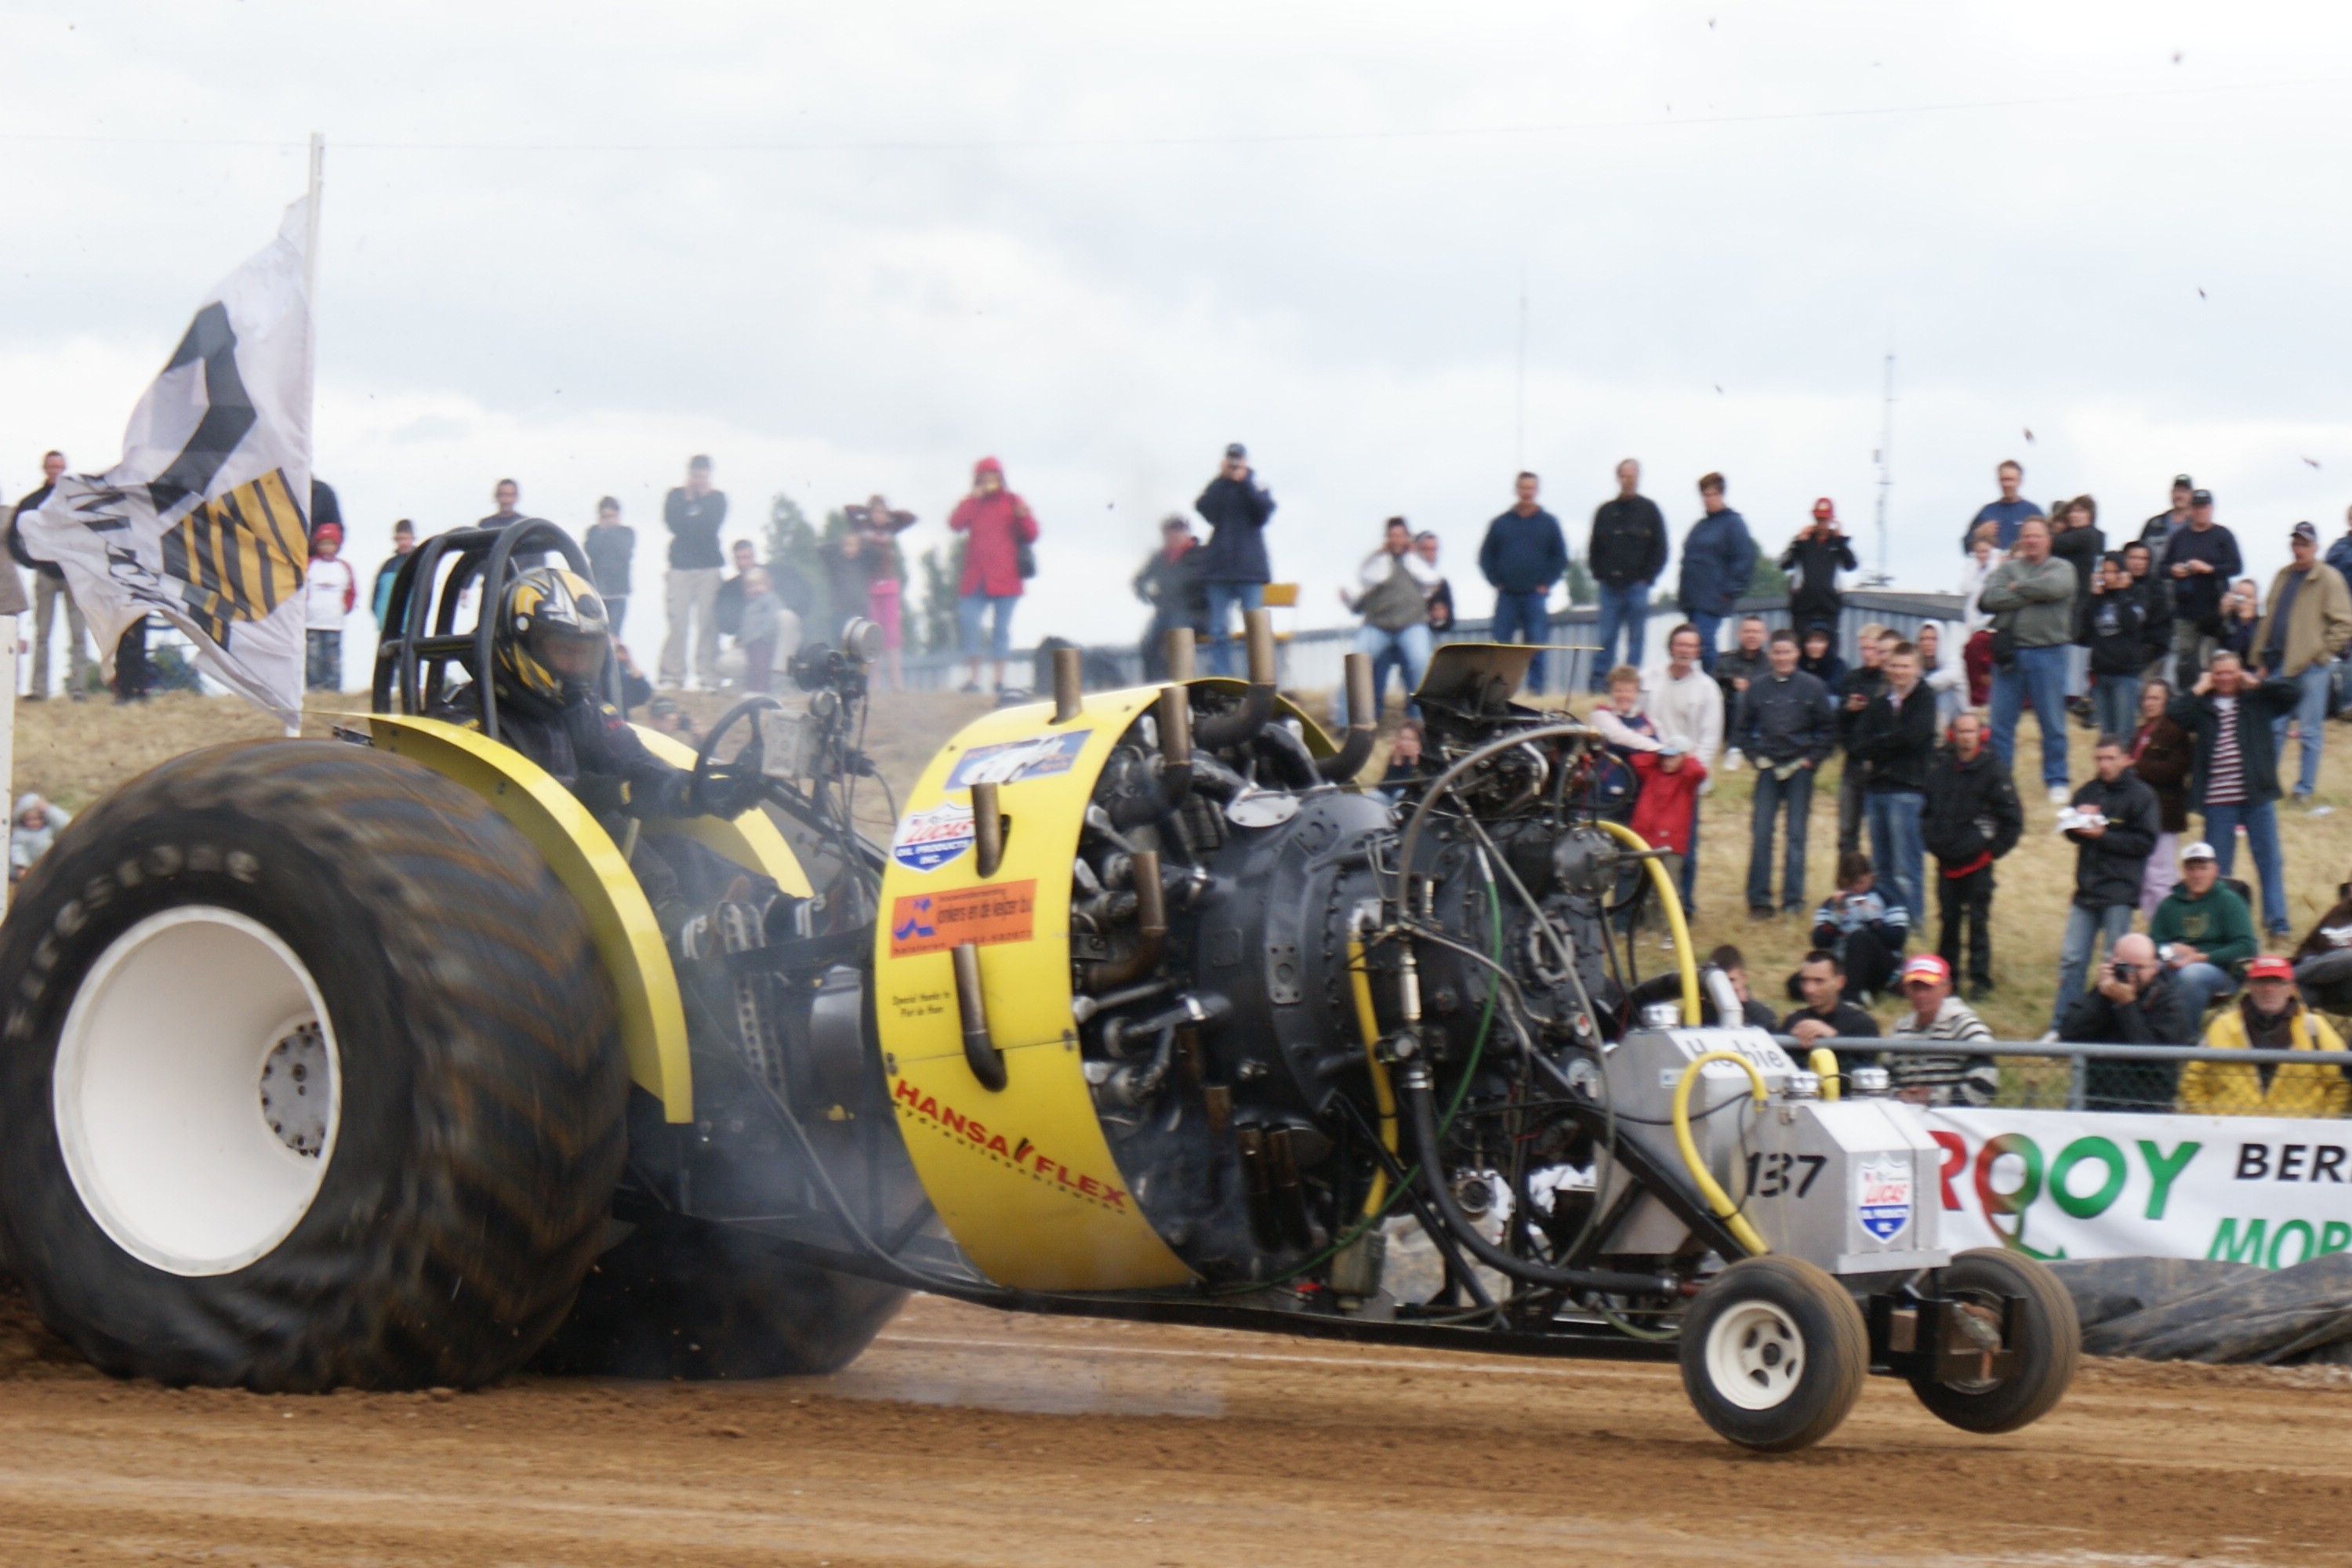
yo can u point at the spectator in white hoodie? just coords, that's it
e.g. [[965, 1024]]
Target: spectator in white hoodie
[[31, 831], [329, 589], [1686, 705], [1943, 672]]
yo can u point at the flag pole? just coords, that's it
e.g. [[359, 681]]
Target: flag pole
[[311, 224], [310, 275]]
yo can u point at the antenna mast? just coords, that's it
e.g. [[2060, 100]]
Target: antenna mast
[[1885, 457]]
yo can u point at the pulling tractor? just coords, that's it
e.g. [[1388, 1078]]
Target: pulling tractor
[[368, 1062]]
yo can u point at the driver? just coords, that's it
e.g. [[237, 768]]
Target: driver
[[548, 651]]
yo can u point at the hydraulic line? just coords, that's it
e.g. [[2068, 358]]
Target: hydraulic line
[[1421, 1104], [1383, 1093], [1672, 899], [1704, 1179], [1824, 1063]]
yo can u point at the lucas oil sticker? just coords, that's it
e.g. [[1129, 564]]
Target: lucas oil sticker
[[1009, 760], [934, 922], [1883, 1195], [928, 840]]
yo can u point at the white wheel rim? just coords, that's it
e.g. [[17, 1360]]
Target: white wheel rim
[[1755, 1356], [186, 1023]]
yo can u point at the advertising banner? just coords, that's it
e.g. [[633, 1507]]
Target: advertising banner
[[2062, 1183]]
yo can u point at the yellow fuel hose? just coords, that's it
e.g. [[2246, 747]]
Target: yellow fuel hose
[[1824, 1063], [1673, 900], [1717, 1198], [1383, 1096]]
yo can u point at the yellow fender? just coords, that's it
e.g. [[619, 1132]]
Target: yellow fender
[[1022, 1177], [586, 861]]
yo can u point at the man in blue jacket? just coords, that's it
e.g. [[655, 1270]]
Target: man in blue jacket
[[2006, 513], [1232, 568], [1524, 553], [1719, 558]]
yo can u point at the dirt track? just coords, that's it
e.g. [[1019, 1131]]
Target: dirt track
[[965, 1436]]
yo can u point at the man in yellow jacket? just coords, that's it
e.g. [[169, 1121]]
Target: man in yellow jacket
[[2270, 1016]]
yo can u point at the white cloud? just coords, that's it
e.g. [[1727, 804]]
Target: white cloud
[[1029, 258]]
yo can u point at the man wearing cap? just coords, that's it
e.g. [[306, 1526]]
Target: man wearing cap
[[2114, 822], [1718, 560], [2200, 930], [1233, 569], [1523, 554], [2307, 624], [1933, 1012], [1815, 556], [2236, 785], [1627, 552], [2134, 1003], [2158, 530], [2270, 1016], [2200, 561], [2006, 513], [2032, 597]]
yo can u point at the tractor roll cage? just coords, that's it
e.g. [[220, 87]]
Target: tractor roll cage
[[410, 663]]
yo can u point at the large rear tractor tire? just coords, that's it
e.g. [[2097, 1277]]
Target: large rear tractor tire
[[2049, 1342], [686, 1298], [1774, 1353], [309, 1077]]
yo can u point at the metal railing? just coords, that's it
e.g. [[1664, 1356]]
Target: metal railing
[[2068, 1076], [1311, 659]]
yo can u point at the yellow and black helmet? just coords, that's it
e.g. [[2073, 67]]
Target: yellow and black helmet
[[551, 637]]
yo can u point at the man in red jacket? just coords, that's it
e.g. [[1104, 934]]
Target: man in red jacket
[[995, 524]]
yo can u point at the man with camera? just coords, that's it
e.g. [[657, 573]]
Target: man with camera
[[2135, 1003]]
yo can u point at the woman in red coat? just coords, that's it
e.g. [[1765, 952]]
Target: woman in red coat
[[995, 524]]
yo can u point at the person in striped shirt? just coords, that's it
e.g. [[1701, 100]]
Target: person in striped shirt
[[1934, 1014], [2236, 781]]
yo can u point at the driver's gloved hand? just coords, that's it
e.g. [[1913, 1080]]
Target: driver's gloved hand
[[730, 795]]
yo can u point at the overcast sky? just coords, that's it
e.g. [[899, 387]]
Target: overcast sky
[[845, 249]]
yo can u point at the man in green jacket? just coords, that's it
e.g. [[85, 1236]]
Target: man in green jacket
[[2306, 626], [2201, 930], [2031, 598]]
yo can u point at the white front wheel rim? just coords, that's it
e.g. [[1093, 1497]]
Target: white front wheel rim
[[1755, 1355], [199, 1090]]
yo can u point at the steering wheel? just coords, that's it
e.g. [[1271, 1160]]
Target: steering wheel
[[713, 778]]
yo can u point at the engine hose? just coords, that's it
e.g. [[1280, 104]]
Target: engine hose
[[1824, 1063], [1701, 1177], [1423, 1119], [1672, 899], [1383, 1093]]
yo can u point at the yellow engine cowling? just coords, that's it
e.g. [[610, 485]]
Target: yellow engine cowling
[[1022, 1177]]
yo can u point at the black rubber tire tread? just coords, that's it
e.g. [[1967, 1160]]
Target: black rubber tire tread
[[483, 1083], [688, 1299], [2053, 1344], [1837, 1352]]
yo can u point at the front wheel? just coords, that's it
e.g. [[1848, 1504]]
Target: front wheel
[[1773, 1353], [2043, 1330]]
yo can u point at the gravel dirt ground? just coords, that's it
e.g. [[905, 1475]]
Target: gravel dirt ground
[[968, 1437]]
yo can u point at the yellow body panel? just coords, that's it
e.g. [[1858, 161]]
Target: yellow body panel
[[586, 861], [1023, 1178], [751, 840]]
